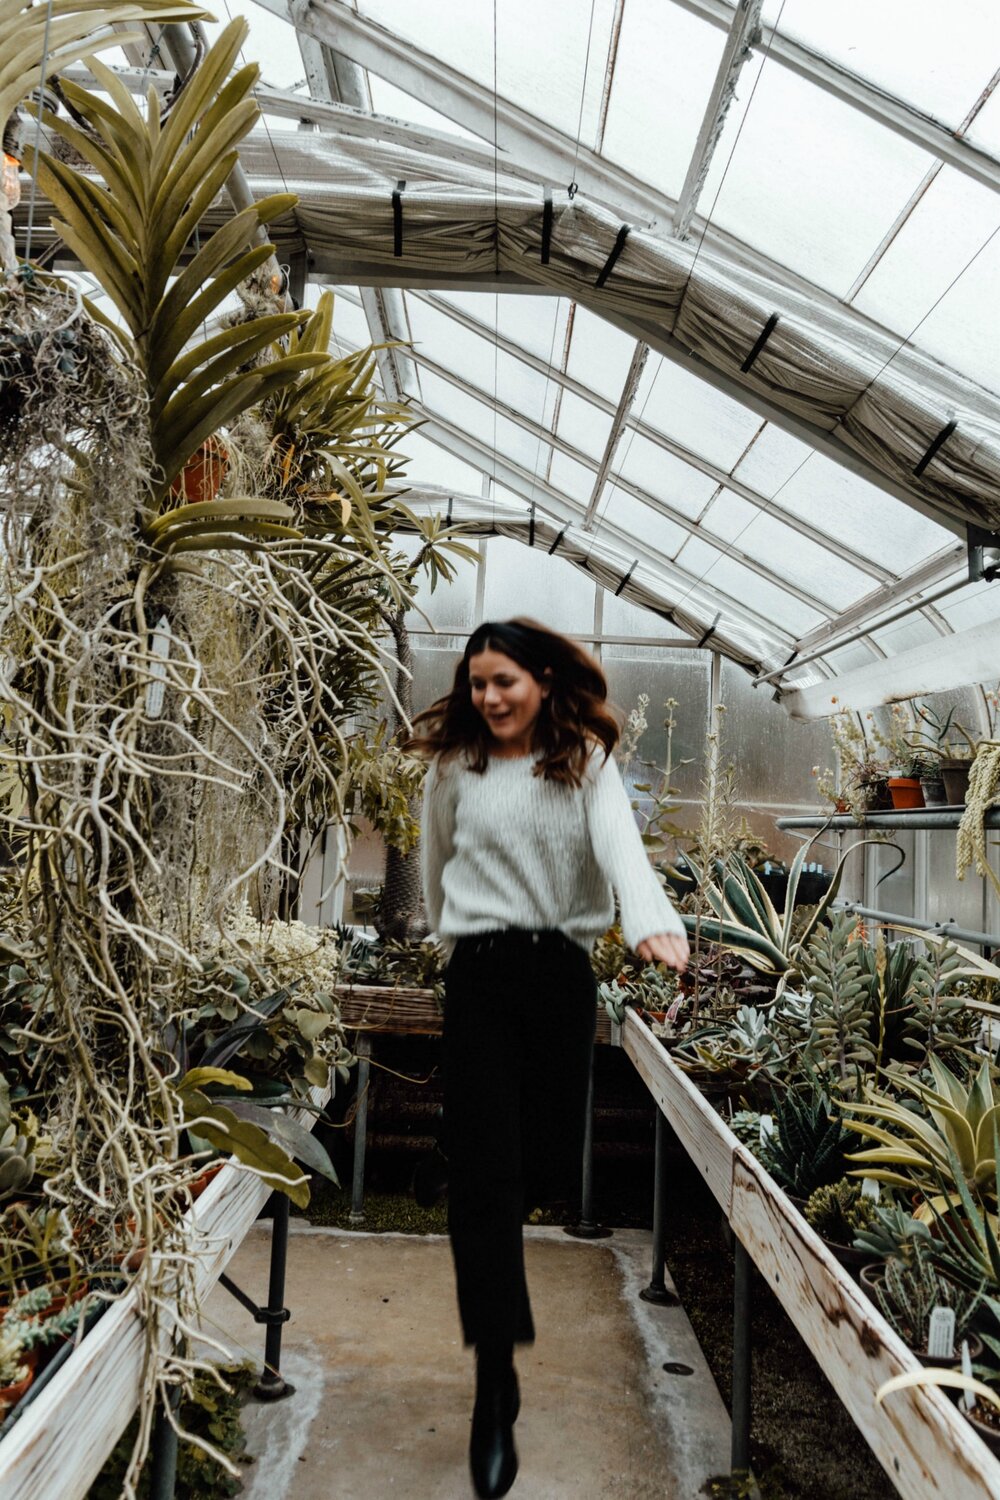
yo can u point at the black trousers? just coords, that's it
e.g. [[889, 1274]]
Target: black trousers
[[519, 1018]]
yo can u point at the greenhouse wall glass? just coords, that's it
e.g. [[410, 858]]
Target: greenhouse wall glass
[[500, 749]]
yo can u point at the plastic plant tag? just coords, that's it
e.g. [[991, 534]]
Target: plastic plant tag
[[159, 650], [989, 1037], [766, 1128], [941, 1333], [871, 1188], [967, 1399]]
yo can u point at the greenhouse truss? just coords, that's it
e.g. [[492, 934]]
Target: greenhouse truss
[[754, 387]]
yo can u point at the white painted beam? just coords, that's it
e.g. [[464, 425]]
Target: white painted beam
[[870, 609], [939, 666], [744, 31], [618, 422]]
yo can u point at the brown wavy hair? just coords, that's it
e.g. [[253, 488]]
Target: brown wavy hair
[[573, 717]]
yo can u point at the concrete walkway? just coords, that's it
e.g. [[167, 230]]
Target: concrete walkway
[[383, 1385]]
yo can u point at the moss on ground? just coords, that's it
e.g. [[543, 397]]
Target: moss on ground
[[384, 1212]]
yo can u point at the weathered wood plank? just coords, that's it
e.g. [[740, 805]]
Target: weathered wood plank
[[704, 1136], [58, 1447], [923, 1443]]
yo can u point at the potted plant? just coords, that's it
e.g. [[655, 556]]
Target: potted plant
[[16, 1371], [907, 1294], [838, 1213], [864, 773]]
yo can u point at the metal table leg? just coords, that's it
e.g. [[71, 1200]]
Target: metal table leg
[[364, 1052], [657, 1290], [740, 1452], [587, 1229], [163, 1451], [272, 1385]]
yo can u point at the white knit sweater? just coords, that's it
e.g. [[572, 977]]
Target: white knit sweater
[[510, 849]]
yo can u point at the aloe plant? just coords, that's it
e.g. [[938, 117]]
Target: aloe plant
[[954, 1146], [744, 917], [132, 233]]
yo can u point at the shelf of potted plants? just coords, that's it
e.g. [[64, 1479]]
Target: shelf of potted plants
[[86, 1405], [921, 1439]]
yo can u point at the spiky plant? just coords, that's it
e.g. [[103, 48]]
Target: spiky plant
[[843, 1047], [840, 1211], [806, 1151]]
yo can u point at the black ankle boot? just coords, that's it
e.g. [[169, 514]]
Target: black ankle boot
[[492, 1455]]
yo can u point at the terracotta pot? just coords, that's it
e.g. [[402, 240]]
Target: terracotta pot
[[955, 775], [201, 477], [204, 1178], [10, 1395], [905, 792]]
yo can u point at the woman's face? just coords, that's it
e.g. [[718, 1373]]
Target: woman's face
[[508, 697]]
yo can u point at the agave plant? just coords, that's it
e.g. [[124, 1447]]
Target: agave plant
[[952, 1147], [131, 234], [745, 918]]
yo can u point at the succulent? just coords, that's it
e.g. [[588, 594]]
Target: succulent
[[839, 1211], [12, 1351], [892, 1233], [955, 1145], [806, 1150], [18, 1139], [908, 1294]]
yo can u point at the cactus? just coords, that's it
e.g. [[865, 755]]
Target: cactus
[[909, 1293], [840, 1211]]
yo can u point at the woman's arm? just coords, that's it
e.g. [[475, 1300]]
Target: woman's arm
[[650, 925], [437, 833]]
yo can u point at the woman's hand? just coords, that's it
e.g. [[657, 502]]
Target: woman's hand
[[666, 948]]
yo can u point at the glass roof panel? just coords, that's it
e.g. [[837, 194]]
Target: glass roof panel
[[954, 218], [666, 66], [985, 128], [534, 323], [903, 47], [541, 50], [640, 521], [842, 504], [678, 404], [574, 479], [431, 464], [817, 197], [599, 354], [477, 360], [668, 478], [725, 575], [387, 100], [972, 606], [480, 420], [271, 43], [581, 424], [807, 564], [623, 618]]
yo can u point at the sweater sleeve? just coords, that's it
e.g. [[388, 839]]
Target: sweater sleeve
[[621, 854], [437, 835]]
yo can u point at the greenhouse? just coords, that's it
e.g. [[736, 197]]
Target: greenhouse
[[500, 749]]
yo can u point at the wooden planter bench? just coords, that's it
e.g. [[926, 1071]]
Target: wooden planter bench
[[920, 1438], [57, 1446]]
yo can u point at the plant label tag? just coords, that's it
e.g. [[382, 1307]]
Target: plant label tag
[[159, 650], [989, 1037], [871, 1188], [967, 1399], [766, 1128], [941, 1333]]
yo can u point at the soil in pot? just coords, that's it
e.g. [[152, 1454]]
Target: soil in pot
[[986, 1420], [905, 792]]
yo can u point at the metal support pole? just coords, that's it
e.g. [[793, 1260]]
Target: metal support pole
[[364, 1052], [657, 1291], [272, 1386], [740, 1451], [163, 1452], [587, 1229]]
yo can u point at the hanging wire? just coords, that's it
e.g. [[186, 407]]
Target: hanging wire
[[572, 189], [38, 131], [496, 272]]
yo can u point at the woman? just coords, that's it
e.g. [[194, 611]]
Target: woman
[[526, 829]]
